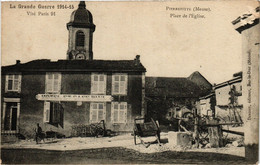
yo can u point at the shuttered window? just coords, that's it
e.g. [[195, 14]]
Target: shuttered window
[[97, 112], [46, 112], [53, 113], [13, 83], [98, 83], [119, 112], [53, 82], [119, 84]]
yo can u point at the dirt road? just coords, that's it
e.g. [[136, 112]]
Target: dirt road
[[111, 150], [115, 155]]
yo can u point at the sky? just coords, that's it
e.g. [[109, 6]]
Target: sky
[[168, 46]]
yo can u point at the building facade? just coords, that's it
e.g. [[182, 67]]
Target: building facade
[[205, 105], [228, 94], [248, 26], [174, 97], [79, 90]]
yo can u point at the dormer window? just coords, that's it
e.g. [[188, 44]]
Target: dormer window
[[80, 39]]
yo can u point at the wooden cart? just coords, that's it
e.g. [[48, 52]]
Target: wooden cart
[[146, 129]]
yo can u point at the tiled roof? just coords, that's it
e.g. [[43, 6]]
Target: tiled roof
[[197, 74], [171, 87], [229, 82], [76, 65]]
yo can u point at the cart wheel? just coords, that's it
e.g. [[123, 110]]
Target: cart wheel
[[135, 138], [159, 136]]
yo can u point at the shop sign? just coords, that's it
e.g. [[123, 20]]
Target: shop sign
[[73, 97]]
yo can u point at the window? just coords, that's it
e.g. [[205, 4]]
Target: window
[[53, 113], [119, 112], [80, 39], [13, 83], [98, 84], [97, 112], [53, 82], [119, 84]]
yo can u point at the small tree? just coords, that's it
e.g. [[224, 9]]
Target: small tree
[[157, 108], [234, 115]]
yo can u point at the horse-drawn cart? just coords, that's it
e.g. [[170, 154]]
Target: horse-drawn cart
[[146, 129]]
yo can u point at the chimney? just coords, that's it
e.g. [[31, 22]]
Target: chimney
[[18, 62], [137, 59]]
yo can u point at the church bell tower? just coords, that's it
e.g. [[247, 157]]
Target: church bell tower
[[81, 29]]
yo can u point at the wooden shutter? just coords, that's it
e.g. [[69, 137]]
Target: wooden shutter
[[100, 85], [6, 82], [94, 84], [15, 82], [125, 114], [56, 113], [46, 82], [49, 82], [90, 113], [61, 116], [121, 116], [53, 113], [113, 83], [126, 84], [46, 112], [55, 82], [112, 112], [100, 112], [116, 113], [19, 83], [129, 112], [97, 84], [121, 112], [95, 115], [104, 84], [104, 111], [122, 87], [59, 83]]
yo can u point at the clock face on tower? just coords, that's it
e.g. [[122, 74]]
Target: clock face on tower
[[80, 56]]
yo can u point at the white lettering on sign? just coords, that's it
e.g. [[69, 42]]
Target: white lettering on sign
[[72, 97]]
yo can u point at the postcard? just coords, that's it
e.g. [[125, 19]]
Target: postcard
[[129, 82]]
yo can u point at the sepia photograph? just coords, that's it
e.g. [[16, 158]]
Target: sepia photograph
[[130, 82]]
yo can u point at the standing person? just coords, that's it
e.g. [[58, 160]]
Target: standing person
[[39, 129], [39, 134]]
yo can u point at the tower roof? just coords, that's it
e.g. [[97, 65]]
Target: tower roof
[[81, 17]]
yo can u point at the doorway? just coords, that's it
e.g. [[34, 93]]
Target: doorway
[[10, 118]]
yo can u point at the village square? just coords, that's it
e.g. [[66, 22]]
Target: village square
[[86, 110]]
